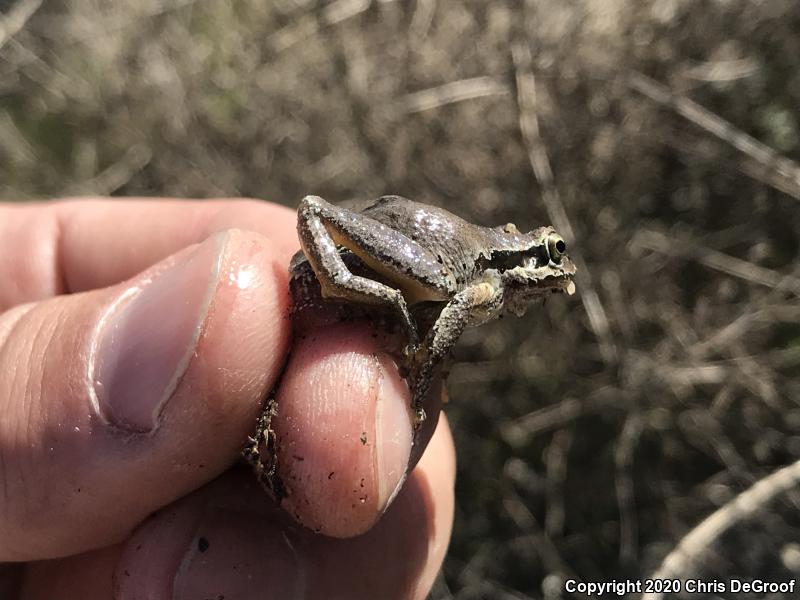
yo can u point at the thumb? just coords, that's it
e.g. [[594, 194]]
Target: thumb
[[116, 401]]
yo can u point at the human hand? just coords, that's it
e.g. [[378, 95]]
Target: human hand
[[138, 340]]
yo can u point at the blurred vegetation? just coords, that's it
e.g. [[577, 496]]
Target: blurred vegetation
[[598, 431]]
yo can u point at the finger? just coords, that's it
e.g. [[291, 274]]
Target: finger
[[10, 579], [344, 430], [54, 248], [224, 541], [120, 400], [87, 575]]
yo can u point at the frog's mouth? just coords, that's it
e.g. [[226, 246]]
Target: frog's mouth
[[531, 281]]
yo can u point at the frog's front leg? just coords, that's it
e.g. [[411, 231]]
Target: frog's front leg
[[475, 304], [322, 227]]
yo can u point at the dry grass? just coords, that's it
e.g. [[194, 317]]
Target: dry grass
[[661, 136]]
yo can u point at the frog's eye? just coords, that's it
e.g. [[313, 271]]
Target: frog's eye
[[510, 228], [556, 247]]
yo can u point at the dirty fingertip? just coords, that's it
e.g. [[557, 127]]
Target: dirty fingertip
[[394, 433], [344, 431]]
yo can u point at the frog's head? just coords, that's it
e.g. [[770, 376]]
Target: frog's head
[[540, 267]]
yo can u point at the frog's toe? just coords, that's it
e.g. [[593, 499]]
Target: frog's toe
[[409, 359], [410, 351], [419, 417]]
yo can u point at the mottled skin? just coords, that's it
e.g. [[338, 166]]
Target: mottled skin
[[413, 259]]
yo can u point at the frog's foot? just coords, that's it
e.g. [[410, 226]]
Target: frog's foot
[[419, 391], [409, 358], [419, 416], [265, 466], [251, 452], [412, 340], [410, 354]]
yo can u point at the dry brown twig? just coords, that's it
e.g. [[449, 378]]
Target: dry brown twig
[[533, 535], [774, 169], [722, 70], [518, 432], [623, 480], [704, 431], [16, 19], [679, 562], [308, 24], [115, 176], [537, 154], [723, 336], [743, 163], [421, 20], [449, 93], [713, 259], [556, 474]]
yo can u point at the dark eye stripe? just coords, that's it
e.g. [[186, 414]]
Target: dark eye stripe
[[503, 260]]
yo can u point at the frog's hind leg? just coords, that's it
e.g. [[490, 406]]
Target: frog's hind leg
[[322, 227]]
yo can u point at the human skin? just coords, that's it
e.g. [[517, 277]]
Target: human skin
[[138, 339]]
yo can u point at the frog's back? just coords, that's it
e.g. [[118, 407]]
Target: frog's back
[[414, 219], [456, 242]]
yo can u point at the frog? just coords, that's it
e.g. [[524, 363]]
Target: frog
[[433, 272]]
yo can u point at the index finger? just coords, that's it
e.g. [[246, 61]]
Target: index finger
[[87, 243]]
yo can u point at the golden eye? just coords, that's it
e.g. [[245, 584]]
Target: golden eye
[[556, 247]]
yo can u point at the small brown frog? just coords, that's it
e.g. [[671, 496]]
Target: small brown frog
[[435, 272]]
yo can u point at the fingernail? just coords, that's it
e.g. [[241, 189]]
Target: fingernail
[[240, 555], [394, 432], [146, 338]]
